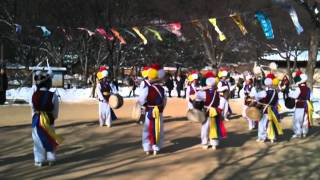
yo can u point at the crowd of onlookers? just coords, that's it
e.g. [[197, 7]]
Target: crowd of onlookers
[[3, 84]]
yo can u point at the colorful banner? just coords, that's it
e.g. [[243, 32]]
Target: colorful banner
[[90, 33], [205, 32], [103, 33], [265, 24], [129, 32], [174, 28], [143, 38], [156, 33], [18, 28], [237, 19], [45, 31], [117, 34], [213, 21], [295, 20]]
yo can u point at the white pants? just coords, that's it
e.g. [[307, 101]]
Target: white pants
[[146, 144], [262, 130], [40, 154], [300, 122], [190, 105], [251, 123], [205, 130], [104, 114], [225, 105]]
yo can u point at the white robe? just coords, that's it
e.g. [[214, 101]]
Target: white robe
[[40, 153], [104, 107], [300, 118], [146, 144], [205, 127], [189, 88]]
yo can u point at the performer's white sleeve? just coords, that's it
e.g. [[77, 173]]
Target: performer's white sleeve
[[188, 92], [99, 93], [142, 84], [55, 102], [232, 87], [201, 96], [253, 92], [221, 88], [113, 88], [294, 93], [261, 95], [143, 95]]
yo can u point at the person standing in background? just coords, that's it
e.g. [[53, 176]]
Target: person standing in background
[[169, 84], [3, 84]]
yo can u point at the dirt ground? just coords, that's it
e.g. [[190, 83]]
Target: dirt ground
[[93, 152]]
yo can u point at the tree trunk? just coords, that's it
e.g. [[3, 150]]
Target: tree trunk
[[313, 52], [289, 69]]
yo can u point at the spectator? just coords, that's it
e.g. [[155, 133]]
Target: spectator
[[133, 85], [169, 84], [3, 85]]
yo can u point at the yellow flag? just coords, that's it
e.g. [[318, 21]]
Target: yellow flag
[[156, 34], [144, 39], [213, 21], [237, 19]]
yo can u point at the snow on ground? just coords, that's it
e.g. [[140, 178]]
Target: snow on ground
[[81, 95]]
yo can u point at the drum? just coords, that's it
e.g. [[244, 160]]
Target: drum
[[254, 113], [226, 94], [198, 105], [136, 112], [115, 101], [196, 115], [289, 102]]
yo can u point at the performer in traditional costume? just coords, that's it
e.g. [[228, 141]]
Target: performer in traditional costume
[[213, 129], [302, 119], [152, 96], [192, 88], [247, 87], [45, 109], [224, 89], [104, 89], [269, 125]]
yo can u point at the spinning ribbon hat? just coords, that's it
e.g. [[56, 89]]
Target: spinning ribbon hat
[[103, 73], [194, 75]]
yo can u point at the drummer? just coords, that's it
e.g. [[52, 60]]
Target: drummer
[[269, 125], [213, 129], [193, 85], [224, 89], [247, 87], [302, 119], [153, 98], [104, 90]]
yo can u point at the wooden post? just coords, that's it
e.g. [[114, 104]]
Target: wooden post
[[1, 53]]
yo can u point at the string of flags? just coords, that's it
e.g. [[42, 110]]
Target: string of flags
[[176, 27]]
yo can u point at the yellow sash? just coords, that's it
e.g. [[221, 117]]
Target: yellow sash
[[310, 111], [45, 123], [156, 116], [273, 119], [213, 133]]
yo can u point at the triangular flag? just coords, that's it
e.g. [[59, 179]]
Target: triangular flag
[[117, 34], [129, 32], [265, 24], [90, 33], [237, 19], [104, 33], [213, 21], [143, 38], [18, 28], [45, 31], [174, 28], [156, 33]]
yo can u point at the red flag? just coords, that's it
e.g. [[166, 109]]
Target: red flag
[[103, 33]]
